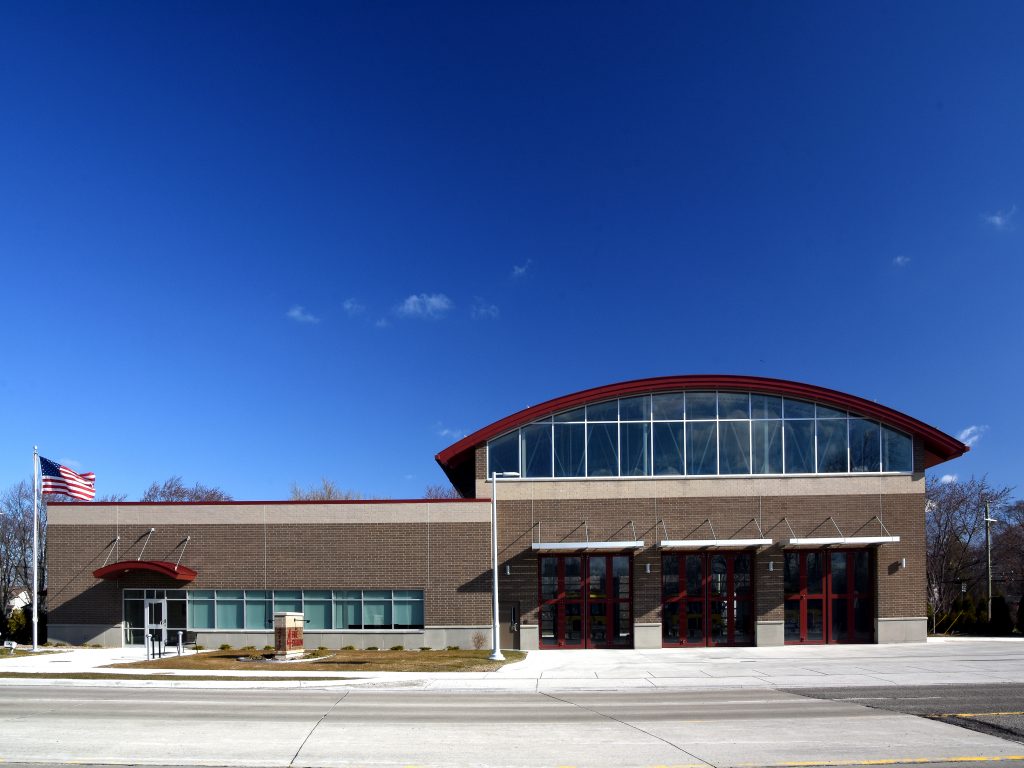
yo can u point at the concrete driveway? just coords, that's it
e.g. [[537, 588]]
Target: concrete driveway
[[939, 661]]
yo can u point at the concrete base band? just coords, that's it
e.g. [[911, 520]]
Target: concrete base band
[[902, 630]]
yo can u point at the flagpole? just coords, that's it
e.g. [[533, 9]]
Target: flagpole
[[35, 548]]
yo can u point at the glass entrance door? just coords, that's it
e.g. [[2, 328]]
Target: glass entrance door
[[156, 619], [586, 601], [828, 596], [707, 599]]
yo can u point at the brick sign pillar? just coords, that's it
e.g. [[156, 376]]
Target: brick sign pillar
[[288, 635]]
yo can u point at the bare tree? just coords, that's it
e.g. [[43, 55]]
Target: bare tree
[[440, 492], [173, 489], [328, 490], [16, 541], [955, 533]]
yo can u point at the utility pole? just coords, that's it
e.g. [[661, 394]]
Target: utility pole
[[988, 559]]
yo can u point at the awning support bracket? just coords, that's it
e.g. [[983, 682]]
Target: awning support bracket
[[183, 545], [148, 537], [712, 527], [110, 549]]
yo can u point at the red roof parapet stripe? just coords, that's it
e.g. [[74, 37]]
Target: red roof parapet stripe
[[161, 567], [938, 445]]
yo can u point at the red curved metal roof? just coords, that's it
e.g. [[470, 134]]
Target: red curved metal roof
[[161, 567], [939, 447]]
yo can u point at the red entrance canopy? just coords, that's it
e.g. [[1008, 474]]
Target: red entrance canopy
[[161, 567]]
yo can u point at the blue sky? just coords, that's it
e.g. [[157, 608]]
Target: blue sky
[[257, 244]]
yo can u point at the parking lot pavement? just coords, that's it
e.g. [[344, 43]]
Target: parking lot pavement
[[994, 709]]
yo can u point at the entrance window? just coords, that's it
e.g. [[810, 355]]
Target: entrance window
[[586, 601], [707, 599], [829, 598]]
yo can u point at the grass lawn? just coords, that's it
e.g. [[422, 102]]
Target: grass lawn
[[338, 661]]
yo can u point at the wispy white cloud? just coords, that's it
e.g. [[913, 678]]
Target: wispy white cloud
[[382, 323], [901, 261], [969, 436], [1001, 219], [518, 270], [449, 433], [425, 305], [947, 479], [300, 315], [483, 309], [352, 307]]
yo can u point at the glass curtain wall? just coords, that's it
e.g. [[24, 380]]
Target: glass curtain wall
[[238, 609], [700, 434]]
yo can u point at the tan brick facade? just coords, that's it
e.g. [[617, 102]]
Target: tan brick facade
[[442, 547], [445, 554]]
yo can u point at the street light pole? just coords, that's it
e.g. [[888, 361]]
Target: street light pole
[[988, 558], [495, 631]]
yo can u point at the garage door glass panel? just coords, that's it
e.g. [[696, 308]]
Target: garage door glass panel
[[694, 575], [815, 573], [670, 622], [828, 597], [573, 577], [714, 599], [815, 620], [792, 621], [839, 572], [620, 577], [598, 577], [591, 604], [669, 577], [695, 623]]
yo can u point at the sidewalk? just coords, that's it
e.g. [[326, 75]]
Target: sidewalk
[[939, 661]]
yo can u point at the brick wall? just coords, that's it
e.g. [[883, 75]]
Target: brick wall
[[448, 560], [900, 592]]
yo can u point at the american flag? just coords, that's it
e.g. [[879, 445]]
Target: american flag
[[60, 479]]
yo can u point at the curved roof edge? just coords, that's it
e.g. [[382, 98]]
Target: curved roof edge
[[939, 446]]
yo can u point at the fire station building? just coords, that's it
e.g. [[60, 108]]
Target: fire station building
[[670, 512]]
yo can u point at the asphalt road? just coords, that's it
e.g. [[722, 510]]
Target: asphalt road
[[105, 725], [992, 709]]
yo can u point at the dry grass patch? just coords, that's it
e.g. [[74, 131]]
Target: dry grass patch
[[338, 661], [5, 653], [159, 676]]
